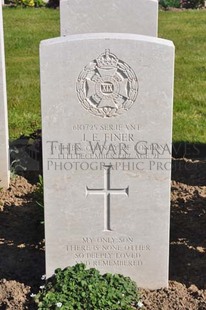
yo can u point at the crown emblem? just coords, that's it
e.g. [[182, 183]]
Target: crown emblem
[[107, 60]]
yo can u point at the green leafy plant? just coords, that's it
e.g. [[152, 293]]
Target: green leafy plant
[[40, 192], [39, 195], [29, 3], [170, 3], [86, 289]]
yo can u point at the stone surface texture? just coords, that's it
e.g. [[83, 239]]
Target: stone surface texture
[[107, 126], [4, 149], [131, 16]]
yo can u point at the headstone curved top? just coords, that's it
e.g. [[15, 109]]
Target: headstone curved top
[[4, 149], [107, 127], [116, 16]]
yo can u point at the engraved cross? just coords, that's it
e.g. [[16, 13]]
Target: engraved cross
[[107, 191]]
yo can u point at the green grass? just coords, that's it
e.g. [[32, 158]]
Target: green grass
[[187, 30], [25, 28]]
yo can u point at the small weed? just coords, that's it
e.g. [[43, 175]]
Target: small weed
[[40, 192], [39, 196]]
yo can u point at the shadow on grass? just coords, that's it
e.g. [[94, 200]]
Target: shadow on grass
[[189, 171], [26, 156], [189, 150]]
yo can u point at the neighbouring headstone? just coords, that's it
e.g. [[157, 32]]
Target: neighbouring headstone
[[107, 126], [4, 148], [120, 16]]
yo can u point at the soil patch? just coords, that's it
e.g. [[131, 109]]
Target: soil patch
[[22, 243]]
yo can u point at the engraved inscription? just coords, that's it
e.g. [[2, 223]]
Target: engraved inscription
[[107, 191], [107, 86], [109, 251]]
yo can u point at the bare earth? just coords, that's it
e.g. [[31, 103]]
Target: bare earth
[[22, 243]]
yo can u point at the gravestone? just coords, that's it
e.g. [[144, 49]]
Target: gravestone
[[107, 126], [4, 148], [120, 16]]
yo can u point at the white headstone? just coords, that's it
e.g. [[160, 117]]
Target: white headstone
[[4, 148], [120, 16], [107, 126]]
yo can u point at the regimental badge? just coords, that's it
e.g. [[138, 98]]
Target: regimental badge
[[107, 86]]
